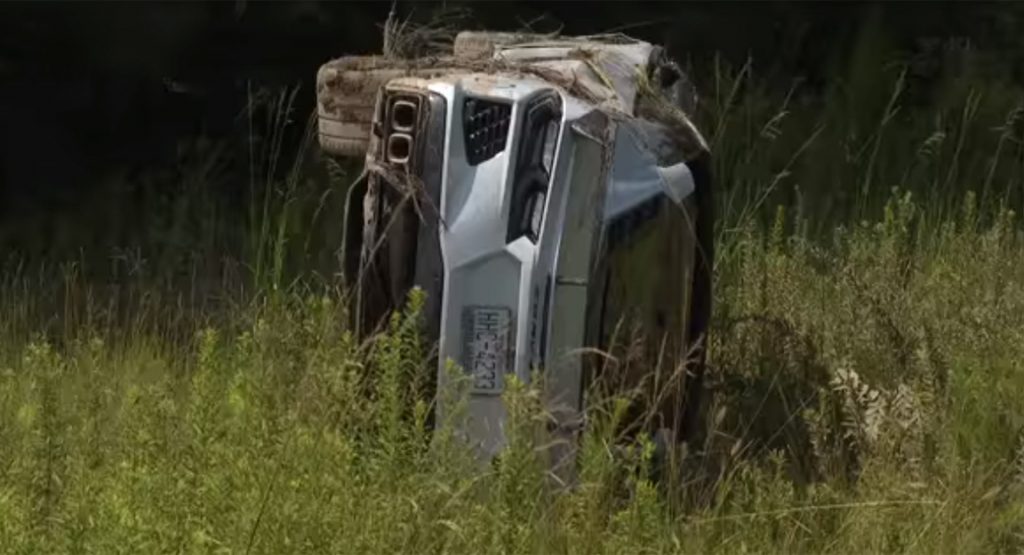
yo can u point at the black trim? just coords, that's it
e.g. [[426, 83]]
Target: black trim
[[545, 318], [429, 264]]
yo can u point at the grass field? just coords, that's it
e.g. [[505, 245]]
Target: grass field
[[196, 391]]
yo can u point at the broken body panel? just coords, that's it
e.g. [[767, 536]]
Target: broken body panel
[[518, 187]]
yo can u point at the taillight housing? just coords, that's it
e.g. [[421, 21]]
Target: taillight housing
[[534, 164]]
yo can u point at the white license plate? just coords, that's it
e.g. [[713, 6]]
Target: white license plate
[[486, 334]]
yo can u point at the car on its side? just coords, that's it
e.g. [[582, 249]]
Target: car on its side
[[551, 196]]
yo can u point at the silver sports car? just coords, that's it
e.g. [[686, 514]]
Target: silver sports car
[[553, 199]]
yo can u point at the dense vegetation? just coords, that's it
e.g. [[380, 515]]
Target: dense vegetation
[[195, 390]]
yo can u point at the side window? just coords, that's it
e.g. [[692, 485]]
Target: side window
[[539, 132]]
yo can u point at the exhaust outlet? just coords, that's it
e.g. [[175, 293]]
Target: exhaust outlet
[[403, 116], [399, 148]]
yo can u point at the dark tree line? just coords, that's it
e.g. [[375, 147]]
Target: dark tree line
[[89, 86]]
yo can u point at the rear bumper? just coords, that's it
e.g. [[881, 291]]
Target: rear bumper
[[392, 238]]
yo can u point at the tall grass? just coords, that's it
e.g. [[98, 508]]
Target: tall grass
[[198, 391], [832, 155], [868, 397]]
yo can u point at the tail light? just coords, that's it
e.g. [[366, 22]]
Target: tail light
[[538, 141]]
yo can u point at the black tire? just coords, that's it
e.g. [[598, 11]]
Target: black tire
[[690, 424], [701, 305]]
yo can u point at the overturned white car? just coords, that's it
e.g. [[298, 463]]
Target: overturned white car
[[550, 195]]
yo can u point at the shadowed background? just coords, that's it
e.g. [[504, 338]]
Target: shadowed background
[[98, 100]]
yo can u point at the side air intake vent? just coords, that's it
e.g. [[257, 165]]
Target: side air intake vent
[[485, 124]]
